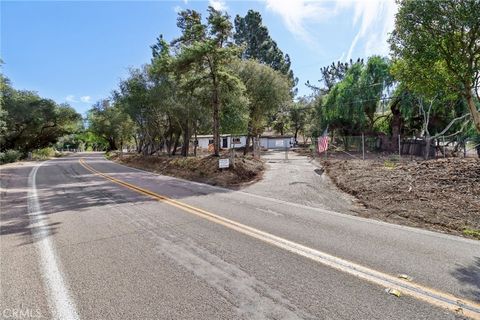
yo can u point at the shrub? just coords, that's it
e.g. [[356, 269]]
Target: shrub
[[472, 232], [9, 156], [389, 164], [43, 154]]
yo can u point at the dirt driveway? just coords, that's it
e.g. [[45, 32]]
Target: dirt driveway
[[301, 180]]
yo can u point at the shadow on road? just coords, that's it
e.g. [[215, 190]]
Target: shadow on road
[[470, 276], [63, 185]]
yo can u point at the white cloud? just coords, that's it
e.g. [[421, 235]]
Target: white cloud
[[70, 98], [296, 14], [219, 5], [86, 99], [377, 20], [374, 19]]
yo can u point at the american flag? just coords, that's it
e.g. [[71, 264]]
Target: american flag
[[323, 142]]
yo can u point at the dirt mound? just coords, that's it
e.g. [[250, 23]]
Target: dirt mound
[[201, 169], [442, 194]]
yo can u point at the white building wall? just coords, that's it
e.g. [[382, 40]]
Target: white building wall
[[203, 142], [265, 142], [240, 144]]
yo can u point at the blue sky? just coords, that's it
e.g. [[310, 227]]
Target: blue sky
[[77, 51]]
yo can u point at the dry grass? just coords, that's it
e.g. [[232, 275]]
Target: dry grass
[[200, 169]]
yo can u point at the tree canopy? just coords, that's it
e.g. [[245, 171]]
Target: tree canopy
[[253, 36], [437, 43], [28, 121]]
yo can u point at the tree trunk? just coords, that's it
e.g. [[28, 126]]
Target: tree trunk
[[247, 143], [249, 135], [111, 145], [216, 125], [186, 140], [195, 145], [473, 108], [427, 147], [175, 145], [169, 143], [395, 124]]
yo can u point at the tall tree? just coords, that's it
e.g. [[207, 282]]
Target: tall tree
[[299, 112], [351, 104], [205, 52], [34, 122], [258, 44], [267, 91], [110, 123], [331, 75], [438, 42]]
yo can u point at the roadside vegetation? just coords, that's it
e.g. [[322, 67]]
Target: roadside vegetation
[[201, 169], [426, 94], [30, 123], [217, 77], [226, 75]]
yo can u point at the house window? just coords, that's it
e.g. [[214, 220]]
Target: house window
[[210, 141], [236, 140]]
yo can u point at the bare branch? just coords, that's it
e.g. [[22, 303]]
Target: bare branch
[[459, 131], [450, 125]]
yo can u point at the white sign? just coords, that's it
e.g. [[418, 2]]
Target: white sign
[[278, 143], [223, 163]]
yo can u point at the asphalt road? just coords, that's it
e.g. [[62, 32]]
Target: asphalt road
[[76, 244]]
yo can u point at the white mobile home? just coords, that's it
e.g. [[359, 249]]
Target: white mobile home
[[227, 141]]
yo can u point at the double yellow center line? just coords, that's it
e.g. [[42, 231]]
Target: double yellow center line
[[438, 298]]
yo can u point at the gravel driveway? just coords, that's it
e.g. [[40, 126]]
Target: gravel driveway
[[301, 180]]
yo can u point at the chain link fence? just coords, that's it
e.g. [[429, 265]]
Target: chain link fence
[[361, 145]]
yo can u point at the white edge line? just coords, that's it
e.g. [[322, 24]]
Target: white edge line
[[325, 211], [61, 304], [431, 296]]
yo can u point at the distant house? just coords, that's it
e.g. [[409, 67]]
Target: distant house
[[228, 141]]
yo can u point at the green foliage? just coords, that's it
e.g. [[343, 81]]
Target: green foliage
[[204, 53], [331, 75], [111, 124], [382, 124], [257, 44], [268, 91], [436, 48], [390, 164], [9, 156], [299, 115], [196, 84], [474, 233], [43, 154], [351, 104], [234, 115], [33, 122]]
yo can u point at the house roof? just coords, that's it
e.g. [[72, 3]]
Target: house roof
[[210, 136], [222, 135]]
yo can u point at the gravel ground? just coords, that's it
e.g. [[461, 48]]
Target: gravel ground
[[301, 179]]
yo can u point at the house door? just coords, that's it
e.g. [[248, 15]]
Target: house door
[[224, 142]]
